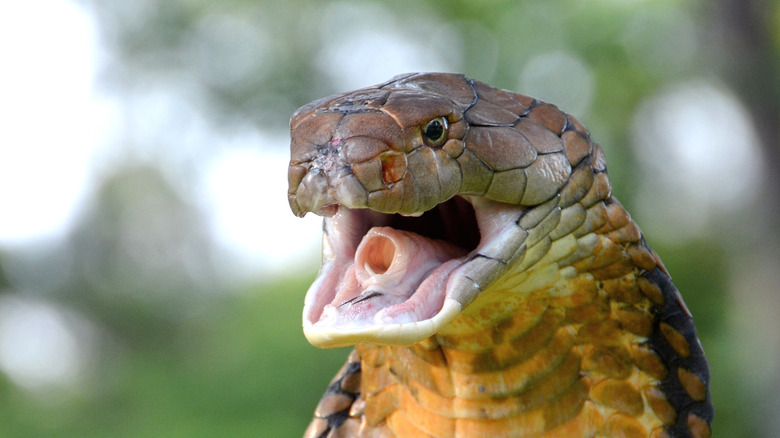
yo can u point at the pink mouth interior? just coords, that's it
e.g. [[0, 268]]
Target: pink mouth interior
[[396, 276]]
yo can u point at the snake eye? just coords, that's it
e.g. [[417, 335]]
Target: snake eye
[[435, 131]]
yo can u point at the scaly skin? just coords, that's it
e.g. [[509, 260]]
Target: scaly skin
[[569, 327]]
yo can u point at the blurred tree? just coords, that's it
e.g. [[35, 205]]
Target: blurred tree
[[747, 37], [142, 256]]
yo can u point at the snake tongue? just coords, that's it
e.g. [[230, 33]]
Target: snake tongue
[[396, 277]]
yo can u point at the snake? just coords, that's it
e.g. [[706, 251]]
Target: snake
[[474, 255]]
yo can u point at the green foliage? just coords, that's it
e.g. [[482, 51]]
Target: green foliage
[[243, 368]]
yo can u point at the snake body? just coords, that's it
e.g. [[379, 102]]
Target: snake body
[[491, 284]]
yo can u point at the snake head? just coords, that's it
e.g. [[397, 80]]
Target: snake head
[[391, 148], [427, 184]]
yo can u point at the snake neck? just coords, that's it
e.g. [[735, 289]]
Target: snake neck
[[554, 365], [571, 341]]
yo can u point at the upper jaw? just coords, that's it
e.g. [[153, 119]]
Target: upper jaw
[[392, 286]]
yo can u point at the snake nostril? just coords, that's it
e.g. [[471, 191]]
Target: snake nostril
[[393, 167]]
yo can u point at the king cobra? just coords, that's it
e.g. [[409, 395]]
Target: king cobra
[[490, 283]]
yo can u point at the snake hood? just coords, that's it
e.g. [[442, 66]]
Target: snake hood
[[432, 186]]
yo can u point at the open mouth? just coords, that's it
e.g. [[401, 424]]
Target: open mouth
[[395, 279], [453, 218]]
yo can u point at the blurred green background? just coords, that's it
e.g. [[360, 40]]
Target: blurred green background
[[152, 276]]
